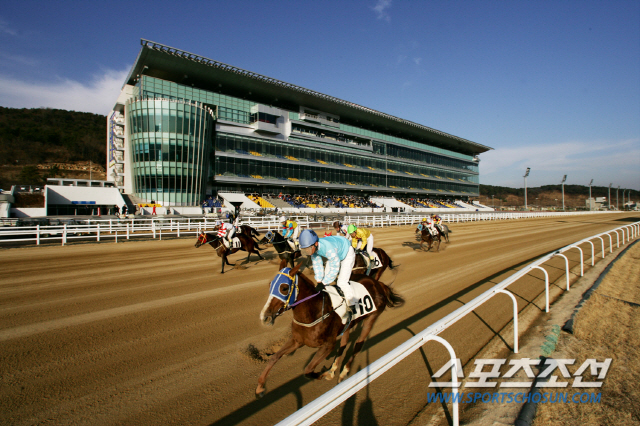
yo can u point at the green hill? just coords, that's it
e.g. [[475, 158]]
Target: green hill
[[34, 136]]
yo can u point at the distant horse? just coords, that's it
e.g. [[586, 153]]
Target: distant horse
[[247, 244], [426, 237], [444, 231], [281, 245], [361, 268], [249, 232], [315, 324]]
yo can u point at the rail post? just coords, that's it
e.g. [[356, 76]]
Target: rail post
[[546, 285], [98, 231], [64, 234], [38, 235], [566, 263], [515, 318], [581, 260], [110, 230], [602, 241], [610, 242], [178, 228], [116, 235], [127, 231], [593, 252], [153, 228]]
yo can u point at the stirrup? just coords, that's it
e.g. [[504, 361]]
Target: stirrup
[[349, 318]]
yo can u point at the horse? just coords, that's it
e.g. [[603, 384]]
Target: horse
[[374, 273], [444, 231], [281, 245], [426, 237], [249, 232], [247, 244], [315, 324]]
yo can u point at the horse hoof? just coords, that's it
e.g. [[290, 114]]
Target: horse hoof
[[259, 394]]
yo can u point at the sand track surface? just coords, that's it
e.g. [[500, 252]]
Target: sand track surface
[[142, 333]]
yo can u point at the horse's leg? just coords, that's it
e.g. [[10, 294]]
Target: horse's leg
[[224, 258], [380, 272], [329, 374], [368, 324], [320, 355], [289, 347]]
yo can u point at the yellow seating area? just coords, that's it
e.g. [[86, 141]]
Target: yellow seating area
[[261, 201], [322, 162], [256, 176], [409, 173], [427, 176], [348, 165], [392, 171], [291, 158], [257, 154], [294, 179]]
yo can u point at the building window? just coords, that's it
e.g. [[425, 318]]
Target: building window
[[264, 118]]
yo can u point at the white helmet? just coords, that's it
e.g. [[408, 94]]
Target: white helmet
[[282, 219]]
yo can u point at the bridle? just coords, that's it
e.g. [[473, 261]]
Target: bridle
[[293, 288]]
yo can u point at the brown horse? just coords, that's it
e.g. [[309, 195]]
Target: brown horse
[[361, 268], [315, 324], [249, 232], [426, 237], [247, 244]]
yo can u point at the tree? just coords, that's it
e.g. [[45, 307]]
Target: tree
[[29, 175]]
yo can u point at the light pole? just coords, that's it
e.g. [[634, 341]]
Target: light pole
[[564, 179], [623, 191], [609, 199], [617, 200], [525, 186], [590, 203]]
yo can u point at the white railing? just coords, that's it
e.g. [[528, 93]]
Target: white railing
[[331, 399], [138, 227]]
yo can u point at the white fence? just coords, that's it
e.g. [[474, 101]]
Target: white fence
[[331, 399], [139, 227]]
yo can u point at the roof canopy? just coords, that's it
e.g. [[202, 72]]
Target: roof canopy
[[168, 63]]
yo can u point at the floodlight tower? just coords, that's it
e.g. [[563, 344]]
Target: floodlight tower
[[609, 199], [564, 179], [525, 186], [590, 203]]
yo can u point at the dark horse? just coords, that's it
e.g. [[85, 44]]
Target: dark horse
[[315, 324], [249, 232], [426, 237], [444, 231], [281, 245], [247, 245], [361, 268]]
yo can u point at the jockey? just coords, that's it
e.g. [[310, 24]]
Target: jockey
[[341, 229], [361, 239], [427, 223], [340, 260], [226, 232], [436, 221], [290, 230]]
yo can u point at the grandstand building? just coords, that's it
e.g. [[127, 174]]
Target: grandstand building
[[185, 127]]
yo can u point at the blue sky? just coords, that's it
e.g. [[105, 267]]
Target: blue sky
[[551, 85]]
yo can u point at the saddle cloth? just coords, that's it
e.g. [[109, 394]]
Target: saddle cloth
[[364, 305], [236, 242], [376, 260]]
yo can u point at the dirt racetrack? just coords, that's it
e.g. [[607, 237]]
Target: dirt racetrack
[[143, 333]]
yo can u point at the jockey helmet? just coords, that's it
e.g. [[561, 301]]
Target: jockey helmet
[[282, 219], [308, 237], [351, 229]]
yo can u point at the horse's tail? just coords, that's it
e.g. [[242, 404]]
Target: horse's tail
[[391, 265], [392, 299]]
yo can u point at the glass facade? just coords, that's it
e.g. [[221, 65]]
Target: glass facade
[[178, 157], [170, 148]]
